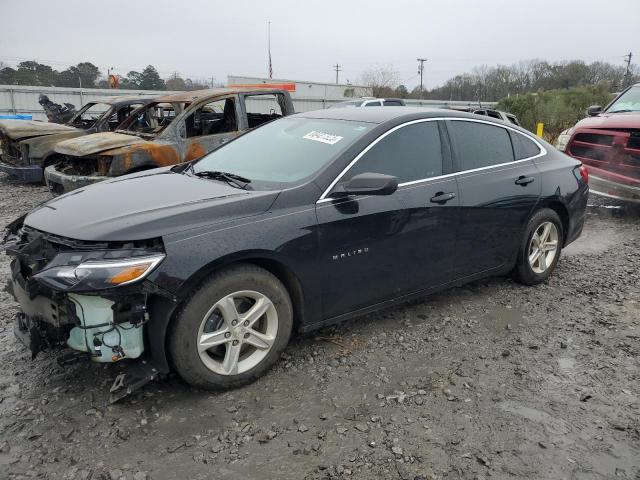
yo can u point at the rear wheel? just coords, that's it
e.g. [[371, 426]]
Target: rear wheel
[[232, 329], [540, 248]]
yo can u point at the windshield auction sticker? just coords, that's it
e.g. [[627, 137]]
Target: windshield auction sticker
[[323, 137]]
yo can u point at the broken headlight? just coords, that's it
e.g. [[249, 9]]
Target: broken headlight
[[99, 274]]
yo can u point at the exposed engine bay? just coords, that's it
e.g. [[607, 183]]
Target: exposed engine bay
[[81, 295]]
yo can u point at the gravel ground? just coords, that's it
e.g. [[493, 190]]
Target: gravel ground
[[492, 379]]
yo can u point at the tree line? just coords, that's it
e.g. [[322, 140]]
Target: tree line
[[87, 75], [494, 83]]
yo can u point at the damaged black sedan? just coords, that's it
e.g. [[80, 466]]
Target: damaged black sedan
[[207, 267]]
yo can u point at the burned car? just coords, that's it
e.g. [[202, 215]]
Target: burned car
[[207, 267], [172, 129], [27, 147], [608, 143]]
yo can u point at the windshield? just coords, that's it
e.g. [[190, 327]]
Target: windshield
[[628, 102], [89, 115], [284, 151], [152, 119]]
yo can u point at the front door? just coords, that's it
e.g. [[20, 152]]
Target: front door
[[376, 248], [209, 127]]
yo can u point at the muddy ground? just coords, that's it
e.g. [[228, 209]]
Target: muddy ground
[[492, 379]]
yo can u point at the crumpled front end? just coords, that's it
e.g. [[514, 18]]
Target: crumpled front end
[[89, 296], [76, 172], [14, 160]]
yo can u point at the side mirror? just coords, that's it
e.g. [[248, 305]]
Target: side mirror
[[367, 184], [594, 110]]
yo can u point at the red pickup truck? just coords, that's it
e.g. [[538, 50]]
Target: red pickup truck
[[607, 142]]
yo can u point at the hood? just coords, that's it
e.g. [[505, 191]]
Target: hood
[[145, 205], [611, 120], [95, 143], [17, 129]]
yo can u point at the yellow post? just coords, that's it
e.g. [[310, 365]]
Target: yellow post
[[540, 129]]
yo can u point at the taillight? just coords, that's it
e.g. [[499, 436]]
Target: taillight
[[581, 173]]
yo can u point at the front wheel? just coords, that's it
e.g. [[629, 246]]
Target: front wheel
[[540, 248], [232, 329]]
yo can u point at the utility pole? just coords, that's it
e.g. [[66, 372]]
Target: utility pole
[[420, 71], [337, 69], [627, 74]]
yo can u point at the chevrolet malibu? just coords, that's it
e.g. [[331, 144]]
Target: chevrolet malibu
[[208, 267]]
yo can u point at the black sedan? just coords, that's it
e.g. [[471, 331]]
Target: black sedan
[[208, 267]]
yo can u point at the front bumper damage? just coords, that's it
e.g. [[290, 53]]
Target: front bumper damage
[[60, 182], [104, 326], [24, 173]]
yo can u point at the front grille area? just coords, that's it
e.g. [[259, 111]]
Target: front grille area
[[9, 151], [614, 151], [86, 166], [594, 138]]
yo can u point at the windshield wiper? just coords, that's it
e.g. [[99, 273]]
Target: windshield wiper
[[622, 111], [230, 178]]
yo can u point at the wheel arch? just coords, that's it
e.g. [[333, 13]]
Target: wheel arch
[[163, 312], [562, 211]]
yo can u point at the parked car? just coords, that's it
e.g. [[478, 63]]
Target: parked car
[[499, 114], [172, 129], [488, 112], [608, 143], [370, 102], [27, 147], [209, 266]]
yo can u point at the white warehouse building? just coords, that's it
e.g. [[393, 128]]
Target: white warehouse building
[[304, 89]]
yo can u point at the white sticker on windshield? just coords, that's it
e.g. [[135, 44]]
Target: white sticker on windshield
[[323, 137]]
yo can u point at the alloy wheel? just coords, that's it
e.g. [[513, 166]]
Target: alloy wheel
[[237, 333], [543, 247]]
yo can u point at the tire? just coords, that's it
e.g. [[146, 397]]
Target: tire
[[242, 292], [530, 273]]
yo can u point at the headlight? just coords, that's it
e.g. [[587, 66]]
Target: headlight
[[99, 274], [563, 139]]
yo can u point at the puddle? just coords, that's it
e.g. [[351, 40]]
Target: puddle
[[499, 317], [566, 364]]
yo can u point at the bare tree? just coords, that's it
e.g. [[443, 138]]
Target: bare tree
[[383, 79]]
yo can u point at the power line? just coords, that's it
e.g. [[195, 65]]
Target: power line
[[337, 68], [420, 71], [627, 74]]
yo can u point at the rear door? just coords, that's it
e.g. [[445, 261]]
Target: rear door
[[374, 248], [498, 192]]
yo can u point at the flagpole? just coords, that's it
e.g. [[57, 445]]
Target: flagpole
[[269, 49]]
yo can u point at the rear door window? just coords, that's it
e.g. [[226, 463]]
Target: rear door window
[[478, 145], [373, 104], [392, 103], [410, 153]]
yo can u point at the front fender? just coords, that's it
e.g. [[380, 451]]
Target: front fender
[[141, 156]]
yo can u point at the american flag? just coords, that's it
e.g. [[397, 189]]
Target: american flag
[[270, 67]]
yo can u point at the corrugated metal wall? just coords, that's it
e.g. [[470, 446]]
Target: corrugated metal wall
[[18, 99]]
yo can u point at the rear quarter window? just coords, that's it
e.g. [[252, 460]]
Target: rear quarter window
[[523, 147]]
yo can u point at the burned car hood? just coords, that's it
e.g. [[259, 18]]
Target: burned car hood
[[145, 205], [17, 129], [611, 120], [95, 143]]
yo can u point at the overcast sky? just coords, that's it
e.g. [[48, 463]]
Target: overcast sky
[[201, 39]]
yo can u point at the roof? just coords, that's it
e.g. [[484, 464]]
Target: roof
[[382, 114], [209, 92], [116, 99]]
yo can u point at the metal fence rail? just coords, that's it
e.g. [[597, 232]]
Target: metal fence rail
[[23, 100]]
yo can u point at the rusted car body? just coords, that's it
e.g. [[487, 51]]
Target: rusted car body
[[27, 147], [171, 129], [607, 142]]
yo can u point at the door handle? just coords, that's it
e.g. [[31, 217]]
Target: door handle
[[442, 198], [524, 181]]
